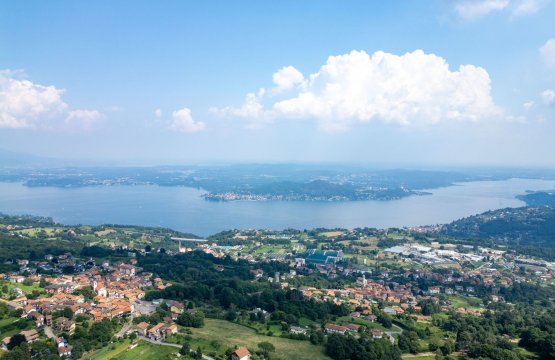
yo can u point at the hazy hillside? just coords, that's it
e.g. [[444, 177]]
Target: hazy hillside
[[521, 226]]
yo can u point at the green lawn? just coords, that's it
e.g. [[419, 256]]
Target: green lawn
[[27, 289], [7, 321], [5, 324], [143, 351], [465, 302], [229, 334]]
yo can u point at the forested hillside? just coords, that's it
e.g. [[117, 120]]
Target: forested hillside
[[521, 227]]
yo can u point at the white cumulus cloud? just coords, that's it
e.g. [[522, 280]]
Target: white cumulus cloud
[[547, 52], [411, 89], [287, 77], [158, 113], [548, 97], [182, 121], [24, 104]]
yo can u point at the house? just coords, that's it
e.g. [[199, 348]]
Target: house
[[241, 353], [177, 307], [355, 314], [64, 349], [352, 327], [171, 330], [155, 333], [376, 334], [39, 318], [23, 262], [390, 311], [433, 290], [65, 325], [17, 279], [30, 335], [334, 328], [298, 330], [142, 328], [257, 273], [127, 269]]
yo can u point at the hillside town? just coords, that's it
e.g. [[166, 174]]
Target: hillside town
[[380, 284]]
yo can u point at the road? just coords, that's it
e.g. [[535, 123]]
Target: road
[[48, 332], [399, 330], [125, 327]]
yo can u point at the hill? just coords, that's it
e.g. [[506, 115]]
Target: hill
[[525, 226]]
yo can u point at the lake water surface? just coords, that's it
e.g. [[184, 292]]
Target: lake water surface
[[183, 208]]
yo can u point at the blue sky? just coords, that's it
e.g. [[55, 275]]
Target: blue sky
[[374, 82]]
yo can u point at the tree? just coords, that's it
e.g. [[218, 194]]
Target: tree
[[198, 353], [266, 347], [15, 341], [148, 248], [408, 342], [185, 349], [191, 320], [448, 347]]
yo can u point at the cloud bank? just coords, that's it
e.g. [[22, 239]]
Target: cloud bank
[[409, 90], [24, 104]]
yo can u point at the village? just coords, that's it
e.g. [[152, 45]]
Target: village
[[384, 288]]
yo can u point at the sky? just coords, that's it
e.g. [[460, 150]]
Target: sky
[[395, 83]]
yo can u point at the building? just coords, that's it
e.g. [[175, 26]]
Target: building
[[177, 307], [64, 349], [171, 330], [142, 328], [30, 335], [17, 279], [433, 290], [323, 256], [335, 329], [241, 353], [155, 333], [298, 330], [64, 324]]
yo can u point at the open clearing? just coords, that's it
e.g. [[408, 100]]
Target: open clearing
[[143, 351], [230, 334]]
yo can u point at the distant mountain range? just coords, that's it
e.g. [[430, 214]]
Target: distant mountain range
[[16, 159]]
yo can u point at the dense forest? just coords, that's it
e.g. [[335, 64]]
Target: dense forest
[[227, 284]]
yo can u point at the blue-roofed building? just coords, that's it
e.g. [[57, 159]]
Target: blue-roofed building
[[323, 256]]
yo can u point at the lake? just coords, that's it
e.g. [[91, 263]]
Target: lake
[[183, 208]]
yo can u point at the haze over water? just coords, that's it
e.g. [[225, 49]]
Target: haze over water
[[183, 209]]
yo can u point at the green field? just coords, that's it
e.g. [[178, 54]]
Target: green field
[[230, 334], [143, 351], [465, 302]]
